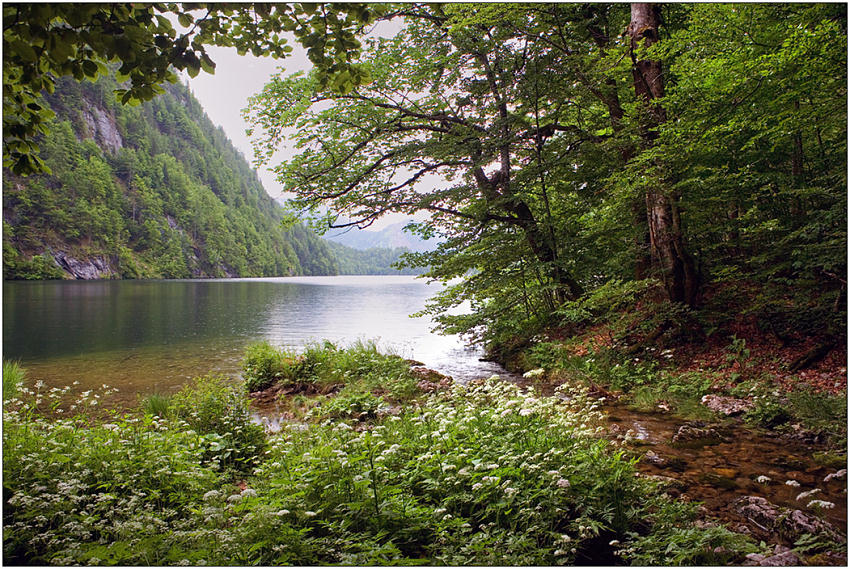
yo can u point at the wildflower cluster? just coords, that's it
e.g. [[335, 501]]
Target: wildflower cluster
[[484, 474]]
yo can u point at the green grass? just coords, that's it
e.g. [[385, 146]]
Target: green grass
[[324, 365], [13, 379]]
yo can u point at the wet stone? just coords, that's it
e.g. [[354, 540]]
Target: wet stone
[[729, 406], [695, 434], [771, 518]]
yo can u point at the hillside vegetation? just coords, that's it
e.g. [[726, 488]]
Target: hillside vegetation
[[152, 191]]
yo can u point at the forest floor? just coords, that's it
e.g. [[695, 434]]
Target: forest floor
[[725, 422]]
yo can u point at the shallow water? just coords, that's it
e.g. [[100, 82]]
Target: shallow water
[[144, 337], [719, 474]]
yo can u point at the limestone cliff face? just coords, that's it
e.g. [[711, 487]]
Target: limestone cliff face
[[102, 127], [98, 267]]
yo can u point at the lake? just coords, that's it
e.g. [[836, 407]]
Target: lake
[[152, 336]]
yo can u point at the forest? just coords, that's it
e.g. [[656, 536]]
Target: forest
[[156, 190], [641, 212]]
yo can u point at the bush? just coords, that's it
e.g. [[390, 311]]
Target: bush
[[264, 365], [214, 408]]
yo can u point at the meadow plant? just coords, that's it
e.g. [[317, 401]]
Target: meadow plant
[[264, 365], [480, 474], [13, 379], [213, 407]]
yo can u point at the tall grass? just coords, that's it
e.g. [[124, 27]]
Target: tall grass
[[13, 379]]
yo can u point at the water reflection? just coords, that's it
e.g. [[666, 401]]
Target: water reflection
[[145, 336]]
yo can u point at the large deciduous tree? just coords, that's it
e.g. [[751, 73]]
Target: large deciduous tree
[[456, 96], [664, 222]]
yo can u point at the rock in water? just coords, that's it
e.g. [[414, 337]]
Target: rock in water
[[791, 524]]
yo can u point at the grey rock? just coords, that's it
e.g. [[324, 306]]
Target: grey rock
[[91, 269], [725, 405], [787, 559], [776, 519], [696, 432]]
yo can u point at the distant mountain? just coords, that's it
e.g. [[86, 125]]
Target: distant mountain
[[374, 261], [391, 237]]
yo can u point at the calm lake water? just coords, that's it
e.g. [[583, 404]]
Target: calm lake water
[[152, 336]]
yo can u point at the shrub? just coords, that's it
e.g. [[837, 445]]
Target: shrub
[[264, 365], [214, 408]]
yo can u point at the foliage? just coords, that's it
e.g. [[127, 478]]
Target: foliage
[[352, 402], [264, 365], [544, 198], [13, 379], [768, 412], [77, 492], [677, 546], [157, 191], [217, 410], [48, 41], [459, 480], [156, 404], [374, 261]]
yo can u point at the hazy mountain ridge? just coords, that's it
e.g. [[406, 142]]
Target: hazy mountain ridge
[[390, 237]]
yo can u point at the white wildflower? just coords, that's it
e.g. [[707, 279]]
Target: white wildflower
[[534, 373], [310, 513], [821, 504], [802, 495], [563, 483], [211, 495], [793, 483], [234, 498], [841, 474], [249, 492], [762, 479], [282, 512]]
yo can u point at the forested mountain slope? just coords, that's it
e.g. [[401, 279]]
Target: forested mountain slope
[[153, 191]]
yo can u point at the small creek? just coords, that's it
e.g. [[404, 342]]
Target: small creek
[[718, 474]]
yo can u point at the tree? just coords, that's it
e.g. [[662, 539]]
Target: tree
[[667, 242], [45, 41], [455, 96]]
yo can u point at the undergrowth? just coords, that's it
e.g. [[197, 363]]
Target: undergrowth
[[485, 474]]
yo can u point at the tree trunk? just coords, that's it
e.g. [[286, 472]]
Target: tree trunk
[[666, 241]]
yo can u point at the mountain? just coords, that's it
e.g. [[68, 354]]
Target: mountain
[[153, 191], [391, 237], [374, 261]]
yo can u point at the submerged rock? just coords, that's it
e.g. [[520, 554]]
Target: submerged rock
[[791, 524], [696, 433]]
